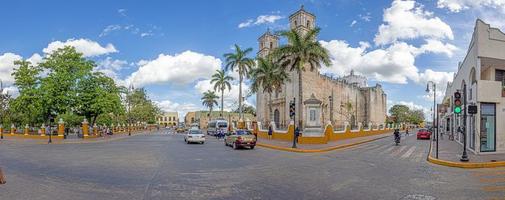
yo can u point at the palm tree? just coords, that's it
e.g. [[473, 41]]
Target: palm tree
[[209, 100], [221, 82], [302, 50], [269, 77], [239, 60]]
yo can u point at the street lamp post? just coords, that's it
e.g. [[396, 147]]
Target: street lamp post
[[294, 127], [464, 156], [331, 108], [51, 119], [435, 118]]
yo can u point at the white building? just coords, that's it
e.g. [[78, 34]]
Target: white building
[[483, 72]]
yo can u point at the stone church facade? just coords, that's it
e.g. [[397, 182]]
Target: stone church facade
[[325, 99]]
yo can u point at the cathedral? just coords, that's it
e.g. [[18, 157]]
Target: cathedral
[[325, 99]]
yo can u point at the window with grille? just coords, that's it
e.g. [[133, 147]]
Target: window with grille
[[500, 76]]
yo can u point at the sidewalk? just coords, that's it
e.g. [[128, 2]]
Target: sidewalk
[[114, 137], [449, 154], [314, 148]]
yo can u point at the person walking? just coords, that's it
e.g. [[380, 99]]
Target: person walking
[[270, 131], [407, 132]]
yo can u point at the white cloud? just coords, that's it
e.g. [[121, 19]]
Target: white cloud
[[122, 12], [353, 23], [109, 29], [35, 59], [459, 5], [177, 69], [408, 20], [7, 67], [436, 46], [111, 67], [262, 19], [87, 47]]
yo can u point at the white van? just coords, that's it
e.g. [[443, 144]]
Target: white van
[[215, 125]]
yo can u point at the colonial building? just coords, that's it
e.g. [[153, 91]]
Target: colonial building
[[168, 119], [325, 99], [202, 118], [483, 73]]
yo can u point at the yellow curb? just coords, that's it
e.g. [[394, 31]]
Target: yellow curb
[[87, 141], [318, 150], [469, 165]]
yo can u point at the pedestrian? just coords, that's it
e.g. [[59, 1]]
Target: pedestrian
[[270, 131], [297, 134], [407, 132]]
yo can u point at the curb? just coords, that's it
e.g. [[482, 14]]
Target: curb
[[318, 150], [92, 141], [468, 165]]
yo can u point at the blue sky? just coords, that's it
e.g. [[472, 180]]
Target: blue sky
[[172, 47]]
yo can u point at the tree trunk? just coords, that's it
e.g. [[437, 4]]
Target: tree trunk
[[222, 100], [240, 94], [94, 120], [300, 104], [270, 107]]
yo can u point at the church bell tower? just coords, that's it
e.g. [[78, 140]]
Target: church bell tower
[[302, 21], [267, 43]]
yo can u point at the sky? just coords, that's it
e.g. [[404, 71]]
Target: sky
[[171, 48]]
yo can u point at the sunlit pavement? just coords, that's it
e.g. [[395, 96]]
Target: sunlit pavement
[[162, 166]]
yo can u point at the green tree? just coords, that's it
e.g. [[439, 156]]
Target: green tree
[[5, 99], [416, 116], [268, 76], [97, 94], [142, 109], [27, 106], [66, 68], [221, 82], [247, 109], [347, 110], [302, 50], [209, 100], [400, 113], [239, 60]]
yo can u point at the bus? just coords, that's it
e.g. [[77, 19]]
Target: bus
[[215, 125]]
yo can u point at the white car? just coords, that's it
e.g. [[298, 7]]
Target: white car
[[194, 136]]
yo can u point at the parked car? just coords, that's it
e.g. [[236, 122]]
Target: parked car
[[180, 129], [423, 134], [240, 138], [194, 136]]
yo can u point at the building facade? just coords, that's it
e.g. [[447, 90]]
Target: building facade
[[202, 118], [168, 119], [325, 99], [483, 73]]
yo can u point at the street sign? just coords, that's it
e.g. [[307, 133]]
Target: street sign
[[472, 109]]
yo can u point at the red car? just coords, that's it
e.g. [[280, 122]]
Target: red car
[[423, 134]]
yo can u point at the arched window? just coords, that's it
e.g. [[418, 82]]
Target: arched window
[[296, 23], [308, 23], [271, 45], [472, 76]]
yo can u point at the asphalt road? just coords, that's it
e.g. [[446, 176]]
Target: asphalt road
[[162, 166]]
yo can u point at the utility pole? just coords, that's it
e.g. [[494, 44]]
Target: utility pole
[[464, 157]]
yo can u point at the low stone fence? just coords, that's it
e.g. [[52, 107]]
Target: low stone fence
[[327, 135]]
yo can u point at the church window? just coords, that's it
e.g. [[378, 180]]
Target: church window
[[271, 45], [308, 23], [296, 23], [312, 115]]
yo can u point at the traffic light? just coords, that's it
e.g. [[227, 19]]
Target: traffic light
[[457, 102], [291, 109]]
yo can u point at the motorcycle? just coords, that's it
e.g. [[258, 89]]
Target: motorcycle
[[397, 139]]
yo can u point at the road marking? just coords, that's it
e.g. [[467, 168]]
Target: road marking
[[370, 147], [409, 152], [397, 151], [387, 150], [493, 188], [419, 157]]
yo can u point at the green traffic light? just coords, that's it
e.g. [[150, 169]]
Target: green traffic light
[[457, 110]]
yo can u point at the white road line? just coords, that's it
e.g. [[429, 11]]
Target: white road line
[[381, 148], [409, 152], [387, 150], [419, 156], [398, 151]]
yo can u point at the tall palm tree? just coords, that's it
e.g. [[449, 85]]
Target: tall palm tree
[[221, 82], [268, 76], [301, 51], [209, 100], [239, 60]]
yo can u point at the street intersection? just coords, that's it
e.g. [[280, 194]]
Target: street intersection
[[162, 166]]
